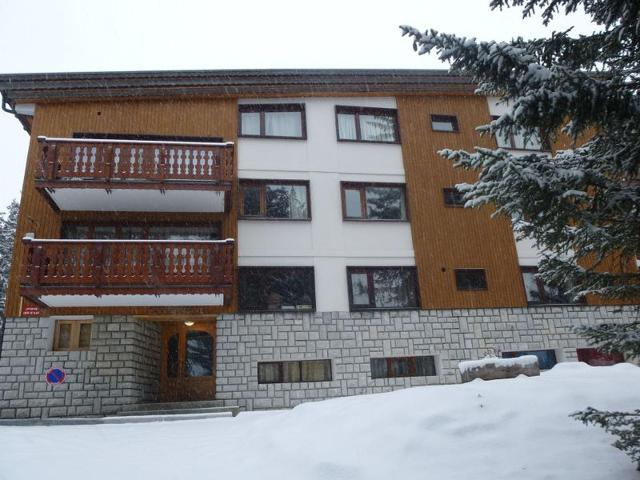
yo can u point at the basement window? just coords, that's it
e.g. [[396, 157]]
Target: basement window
[[546, 358], [394, 367], [71, 335], [294, 371]]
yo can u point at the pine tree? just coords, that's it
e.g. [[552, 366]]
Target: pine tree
[[581, 204], [8, 225]]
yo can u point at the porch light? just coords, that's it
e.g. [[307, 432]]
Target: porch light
[[189, 323]]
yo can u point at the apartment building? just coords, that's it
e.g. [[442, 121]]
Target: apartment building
[[260, 238]]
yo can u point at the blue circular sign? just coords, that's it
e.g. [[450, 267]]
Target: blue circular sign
[[55, 376]]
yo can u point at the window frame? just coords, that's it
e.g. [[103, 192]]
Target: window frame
[[146, 226], [369, 271], [520, 353], [545, 145], [362, 187], [280, 365], [442, 118], [243, 309], [413, 366], [263, 108], [455, 191], [74, 340], [262, 184], [542, 290], [356, 112], [458, 271]]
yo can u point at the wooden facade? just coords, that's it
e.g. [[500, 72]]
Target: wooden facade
[[446, 238], [194, 117]]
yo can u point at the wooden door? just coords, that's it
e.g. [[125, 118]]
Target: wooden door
[[188, 356]]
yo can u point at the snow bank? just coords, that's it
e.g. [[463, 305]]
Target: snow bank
[[499, 430], [523, 361]]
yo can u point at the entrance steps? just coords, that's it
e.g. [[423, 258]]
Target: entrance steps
[[212, 407]]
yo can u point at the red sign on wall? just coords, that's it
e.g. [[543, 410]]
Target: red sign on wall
[[31, 311]]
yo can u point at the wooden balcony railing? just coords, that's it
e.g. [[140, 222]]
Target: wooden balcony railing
[[127, 266], [96, 160]]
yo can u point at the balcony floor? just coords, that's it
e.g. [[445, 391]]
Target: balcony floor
[[148, 300]]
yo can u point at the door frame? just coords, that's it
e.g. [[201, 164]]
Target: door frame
[[182, 388]]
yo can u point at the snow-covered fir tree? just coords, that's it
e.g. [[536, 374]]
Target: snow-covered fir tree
[[581, 204], [8, 224]]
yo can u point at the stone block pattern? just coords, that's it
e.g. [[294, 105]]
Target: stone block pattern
[[121, 367], [351, 339]]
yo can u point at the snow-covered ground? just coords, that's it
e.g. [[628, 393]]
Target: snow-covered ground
[[502, 429]]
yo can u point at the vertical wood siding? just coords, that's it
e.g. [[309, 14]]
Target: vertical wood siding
[[194, 117], [446, 238]]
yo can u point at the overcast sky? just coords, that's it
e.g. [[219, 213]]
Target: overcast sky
[[101, 35]]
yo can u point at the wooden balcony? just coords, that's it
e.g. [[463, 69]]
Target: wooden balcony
[[125, 175], [128, 273]]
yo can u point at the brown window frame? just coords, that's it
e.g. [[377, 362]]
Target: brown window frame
[[459, 271], [445, 118], [262, 108], [74, 342], [281, 378], [369, 270], [545, 144], [356, 112], [266, 270], [413, 366], [362, 187], [452, 193], [262, 184], [542, 290]]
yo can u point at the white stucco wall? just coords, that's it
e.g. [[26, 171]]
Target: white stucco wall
[[327, 243], [528, 254]]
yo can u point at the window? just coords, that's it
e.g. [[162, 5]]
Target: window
[[375, 201], [294, 371], [537, 292], [272, 199], [382, 287], [471, 279], [360, 124], [283, 120], [453, 197], [394, 367], [72, 335], [444, 123], [596, 358], [518, 142], [276, 288], [546, 358], [133, 231]]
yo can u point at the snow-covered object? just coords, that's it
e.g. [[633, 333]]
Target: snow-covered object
[[499, 430], [523, 361]]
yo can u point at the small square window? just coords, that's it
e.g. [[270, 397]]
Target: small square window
[[444, 123], [471, 279], [453, 197], [72, 335]]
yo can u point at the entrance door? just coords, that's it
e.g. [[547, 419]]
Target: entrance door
[[188, 371]]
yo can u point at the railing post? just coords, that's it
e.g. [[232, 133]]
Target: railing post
[[36, 259], [107, 153], [98, 264], [50, 167], [163, 163]]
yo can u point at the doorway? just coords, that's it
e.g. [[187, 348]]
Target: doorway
[[188, 356]]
